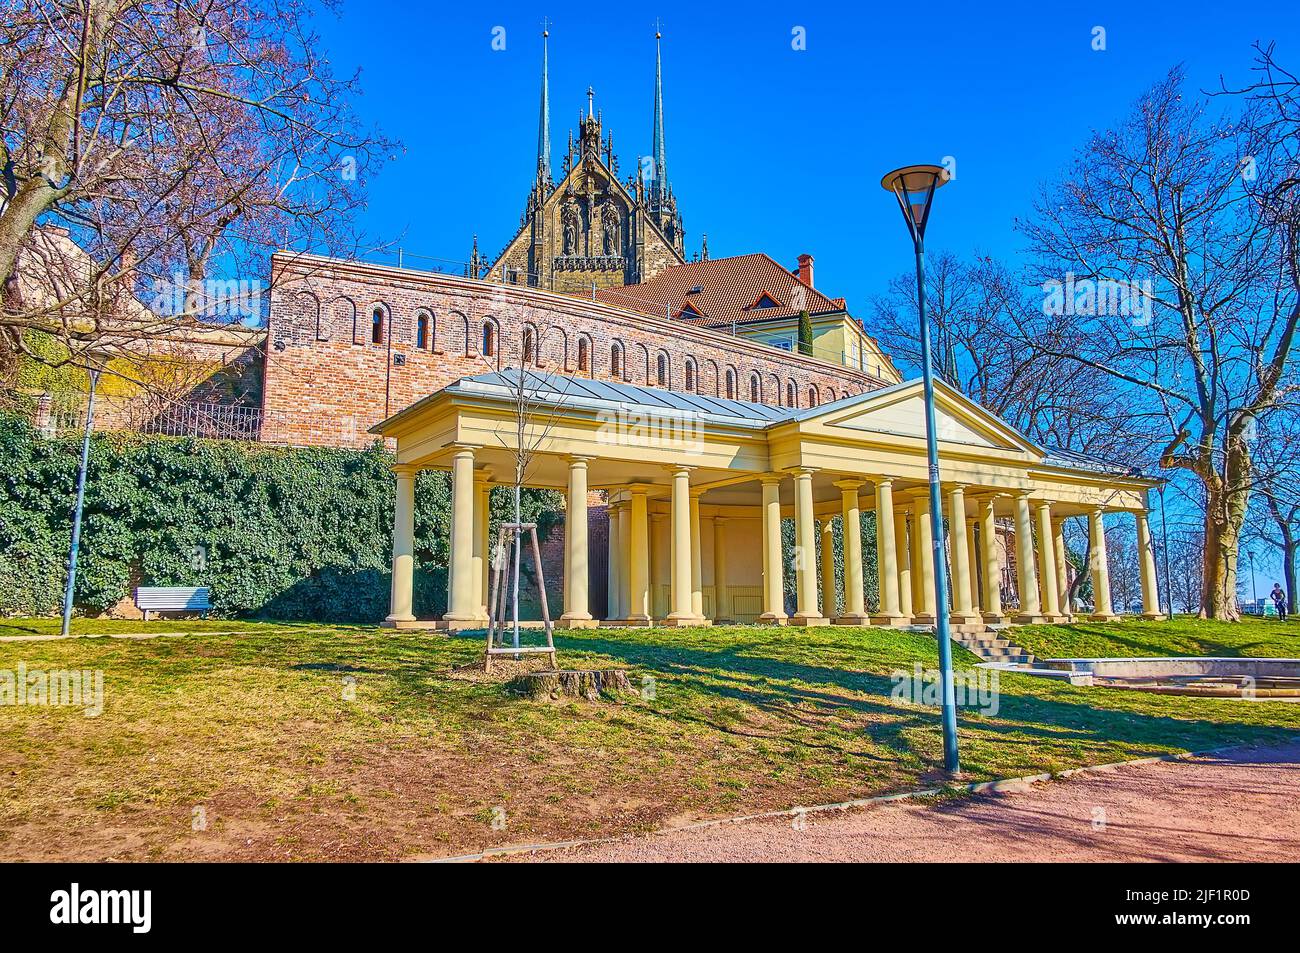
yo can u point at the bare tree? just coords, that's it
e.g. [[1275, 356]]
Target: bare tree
[[140, 138], [1191, 306]]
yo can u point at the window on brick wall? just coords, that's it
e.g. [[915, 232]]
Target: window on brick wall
[[731, 383], [489, 340], [692, 375], [530, 346], [791, 395], [616, 360], [377, 325], [584, 354], [755, 389], [661, 370], [812, 396], [423, 340]]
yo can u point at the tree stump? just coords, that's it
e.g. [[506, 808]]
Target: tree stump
[[572, 683]]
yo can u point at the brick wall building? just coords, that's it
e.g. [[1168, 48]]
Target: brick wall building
[[351, 343]]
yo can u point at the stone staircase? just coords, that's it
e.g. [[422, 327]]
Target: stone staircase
[[991, 646]]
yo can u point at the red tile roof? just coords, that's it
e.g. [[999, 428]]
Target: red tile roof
[[729, 289]]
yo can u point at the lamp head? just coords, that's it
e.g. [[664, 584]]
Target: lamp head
[[914, 187]]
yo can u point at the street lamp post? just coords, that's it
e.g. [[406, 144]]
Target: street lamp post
[[1164, 533], [81, 496], [914, 187], [1254, 587]]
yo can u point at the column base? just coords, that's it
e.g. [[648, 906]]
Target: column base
[[686, 622], [774, 618], [966, 618], [639, 621], [410, 624], [853, 618], [890, 620], [1153, 616], [924, 618], [1025, 618], [1103, 617], [808, 620], [994, 618], [577, 622]]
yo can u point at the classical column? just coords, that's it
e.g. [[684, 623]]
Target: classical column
[[462, 608], [401, 598], [625, 558], [1102, 609], [805, 531], [1062, 570], [697, 561], [903, 551], [660, 548], [923, 581], [992, 564], [826, 555], [1047, 576], [855, 610], [614, 589], [482, 545], [963, 612], [721, 598], [1147, 566], [681, 613], [576, 565], [773, 569], [639, 559], [972, 559], [1031, 609], [886, 556]]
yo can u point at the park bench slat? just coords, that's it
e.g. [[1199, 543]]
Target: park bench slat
[[172, 599]]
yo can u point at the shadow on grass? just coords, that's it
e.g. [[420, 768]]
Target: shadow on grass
[[788, 689]]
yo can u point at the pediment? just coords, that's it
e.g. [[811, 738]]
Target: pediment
[[900, 411]]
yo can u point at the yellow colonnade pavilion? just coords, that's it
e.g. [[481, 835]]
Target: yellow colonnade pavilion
[[698, 486]]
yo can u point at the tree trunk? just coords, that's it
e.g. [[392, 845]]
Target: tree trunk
[[1225, 512]]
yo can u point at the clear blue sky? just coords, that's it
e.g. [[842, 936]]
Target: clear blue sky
[[771, 149]]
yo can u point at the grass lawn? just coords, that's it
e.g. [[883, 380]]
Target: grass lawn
[[255, 729], [1186, 635]]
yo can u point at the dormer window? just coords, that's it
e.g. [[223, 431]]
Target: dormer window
[[764, 300]]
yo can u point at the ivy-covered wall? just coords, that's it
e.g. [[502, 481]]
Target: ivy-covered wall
[[275, 532]]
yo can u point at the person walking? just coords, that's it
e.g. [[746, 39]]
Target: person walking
[[1279, 601]]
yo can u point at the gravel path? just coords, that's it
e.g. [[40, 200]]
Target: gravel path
[[1237, 805]]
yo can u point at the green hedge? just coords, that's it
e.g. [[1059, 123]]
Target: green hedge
[[275, 532]]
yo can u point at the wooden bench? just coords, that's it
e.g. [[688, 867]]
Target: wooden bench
[[172, 599]]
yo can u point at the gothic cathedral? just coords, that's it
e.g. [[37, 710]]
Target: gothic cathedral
[[590, 230]]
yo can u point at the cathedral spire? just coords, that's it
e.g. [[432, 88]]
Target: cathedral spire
[[544, 119], [659, 183]]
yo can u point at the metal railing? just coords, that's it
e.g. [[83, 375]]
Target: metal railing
[[211, 420]]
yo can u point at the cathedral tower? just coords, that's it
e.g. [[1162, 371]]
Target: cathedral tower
[[589, 230]]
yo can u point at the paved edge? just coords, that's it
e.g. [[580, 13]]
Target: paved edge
[[980, 787]]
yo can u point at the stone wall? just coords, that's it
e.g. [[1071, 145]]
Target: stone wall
[[328, 380]]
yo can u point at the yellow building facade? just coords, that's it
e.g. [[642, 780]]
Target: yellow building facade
[[698, 487]]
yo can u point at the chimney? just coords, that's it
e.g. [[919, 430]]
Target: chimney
[[805, 269]]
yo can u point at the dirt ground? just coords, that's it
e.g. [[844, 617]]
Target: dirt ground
[[1242, 805]]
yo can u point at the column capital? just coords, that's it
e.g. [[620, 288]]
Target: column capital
[[577, 460], [676, 469], [405, 469], [798, 472], [885, 481], [1096, 509], [771, 479], [851, 484]]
